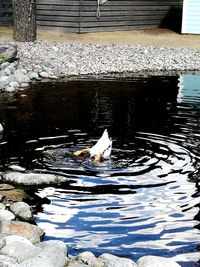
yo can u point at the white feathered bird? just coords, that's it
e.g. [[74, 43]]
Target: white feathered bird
[[101, 150]]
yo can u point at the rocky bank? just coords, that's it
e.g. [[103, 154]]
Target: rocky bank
[[22, 63]]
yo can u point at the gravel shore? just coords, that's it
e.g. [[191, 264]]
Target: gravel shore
[[77, 59], [53, 60]]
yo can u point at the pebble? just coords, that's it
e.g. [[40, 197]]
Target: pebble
[[43, 59]]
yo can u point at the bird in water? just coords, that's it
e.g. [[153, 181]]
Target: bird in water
[[101, 150]]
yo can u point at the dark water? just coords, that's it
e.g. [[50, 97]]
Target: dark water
[[145, 198]]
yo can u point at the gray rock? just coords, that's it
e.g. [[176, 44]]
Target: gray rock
[[24, 229], [89, 259], [4, 65], [10, 89], [6, 261], [16, 168], [12, 66], [155, 261], [20, 77], [31, 178], [24, 71], [6, 215], [1, 128], [49, 257], [33, 75], [3, 79], [22, 211], [14, 84], [5, 240], [2, 206], [9, 52], [77, 264], [44, 74], [114, 261], [23, 85], [7, 71], [53, 243], [20, 250]]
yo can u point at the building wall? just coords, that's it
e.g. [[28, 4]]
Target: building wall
[[126, 15], [59, 13], [191, 16], [5, 12], [80, 15]]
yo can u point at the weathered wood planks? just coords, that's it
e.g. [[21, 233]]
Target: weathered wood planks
[[80, 15]]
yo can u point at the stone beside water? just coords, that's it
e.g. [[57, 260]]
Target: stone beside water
[[22, 211], [24, 229], [31, 178], [45, 60]]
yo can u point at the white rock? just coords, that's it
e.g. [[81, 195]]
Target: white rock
[[10, 89], [20, 77], [2, 206], [17, 168], [13, 238], [53, 243], [1, 128], [44, 74], [33, 75], [21, 210], [114, 261], [31, 178], [155, 261], [6, 215], [23, 85], [20, 250], [24, 229], [14, 84], [7, 71], [6, 261], [49, 257], [89, 259]]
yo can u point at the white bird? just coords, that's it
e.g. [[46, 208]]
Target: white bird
[[101, 150], [1, 128]]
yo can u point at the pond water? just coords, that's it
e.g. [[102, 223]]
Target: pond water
[[145, 198]]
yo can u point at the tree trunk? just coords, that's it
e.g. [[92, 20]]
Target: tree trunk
[[24, 20]]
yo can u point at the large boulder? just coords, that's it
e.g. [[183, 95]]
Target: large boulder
[[6, 215], [22, 211], [155, 261], [114, 261], [20, 250], [53, 243], [8, 53], [32, 178], [88, 258], [50, 256], [24, 229]]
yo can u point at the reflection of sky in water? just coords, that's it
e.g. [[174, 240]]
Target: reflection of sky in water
[[189, 89], [144, 199]]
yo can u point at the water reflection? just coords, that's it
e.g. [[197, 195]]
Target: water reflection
[[145, 199]]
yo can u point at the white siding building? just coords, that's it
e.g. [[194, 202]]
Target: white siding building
[[191, 16]]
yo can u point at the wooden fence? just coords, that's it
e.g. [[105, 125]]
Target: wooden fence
[[5, 12], [80, 15]]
